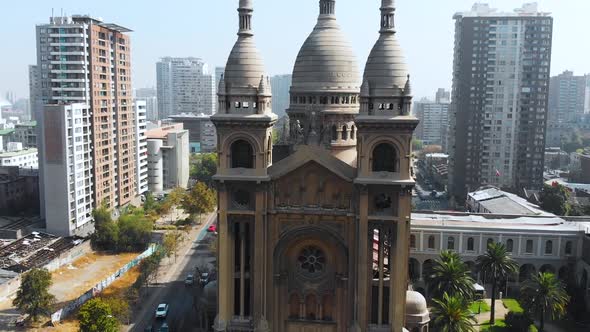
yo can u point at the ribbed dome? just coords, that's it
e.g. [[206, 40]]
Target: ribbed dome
[[386, 67], [244, 66], [326, 60]]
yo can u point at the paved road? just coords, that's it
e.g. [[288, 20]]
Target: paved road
[[172, 290]]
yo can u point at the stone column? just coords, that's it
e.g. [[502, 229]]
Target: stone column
[[361, 322], [225, 271], [259, 284], [400, 254]]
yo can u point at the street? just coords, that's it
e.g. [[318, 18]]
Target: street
[[170, 287]]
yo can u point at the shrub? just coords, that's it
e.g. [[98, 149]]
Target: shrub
[[518, 322]]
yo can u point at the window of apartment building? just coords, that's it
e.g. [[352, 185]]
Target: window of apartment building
[[549, 247], [529, 247], [431, 242], [451, 243], [568, 247], [470, 244], [509, 245]]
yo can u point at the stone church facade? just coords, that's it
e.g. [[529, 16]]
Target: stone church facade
[[316, 239]]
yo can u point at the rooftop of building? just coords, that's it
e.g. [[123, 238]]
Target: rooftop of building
[[437, 155], [572, 186], [11, 154], [484, 10], [4, 132], [183, 116], [27, 124], [497, 222], [76, 19], [34, 250], [498, 201], [163, 131]]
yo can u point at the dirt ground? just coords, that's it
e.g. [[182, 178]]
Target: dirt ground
[[73, 280]]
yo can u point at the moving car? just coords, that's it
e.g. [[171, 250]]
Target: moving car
[[162, 310], [189, 280], [212, 228], [204, 278], [164, 327]]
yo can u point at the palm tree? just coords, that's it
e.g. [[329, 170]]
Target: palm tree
[[544, 294], [496, 265], [450, 275], [451, 314]]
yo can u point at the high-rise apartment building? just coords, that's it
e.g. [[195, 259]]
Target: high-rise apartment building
[[66, 160], [499, 99], [83, 60], [433, 116], [280, 85], [443, 96], [185, 85], [34, 90], [569, 98], [141, 165], [150, 97]]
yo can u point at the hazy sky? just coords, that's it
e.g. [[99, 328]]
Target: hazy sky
[[207, 29]]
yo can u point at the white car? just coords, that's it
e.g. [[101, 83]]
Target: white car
[[162, 310]]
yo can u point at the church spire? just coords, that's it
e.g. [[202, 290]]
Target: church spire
[[328, 7], [387, 16], [245, 11]]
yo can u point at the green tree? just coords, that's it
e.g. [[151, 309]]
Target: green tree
[[517, 321], [451, 314], [555, 199], [450, 275], [199, 200], [203, 167], [106, 231], [33, 297], [417, 144], [135, 231], [171, 242], [119, 308], [96, 316], [496, 265], [544, 295], [150, 205]]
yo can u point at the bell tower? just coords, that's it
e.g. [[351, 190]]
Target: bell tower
[[244, 128], [384, 181]]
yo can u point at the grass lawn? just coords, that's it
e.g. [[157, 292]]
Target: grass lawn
[[475, 306], [499, 326], [512, 305]]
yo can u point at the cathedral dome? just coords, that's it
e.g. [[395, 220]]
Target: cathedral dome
[[386, 70], [386, 66], [326, 61], [244, 66]]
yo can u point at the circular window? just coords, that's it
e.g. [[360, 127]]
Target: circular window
[[242, 198], [312, 261]]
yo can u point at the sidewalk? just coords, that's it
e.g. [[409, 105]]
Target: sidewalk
[[170, 271], [501, 312]]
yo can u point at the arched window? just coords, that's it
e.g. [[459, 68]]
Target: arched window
[[470, 244], [568, 247], [311, 306], [451, 243], [352, 132], [344, 133], [509, 245], [334, 133], [384, 158], [242, 155], [529, 247], [431, 242], [413, 241], [548, 247]]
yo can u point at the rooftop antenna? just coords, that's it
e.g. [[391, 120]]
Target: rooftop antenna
[[52, 16]]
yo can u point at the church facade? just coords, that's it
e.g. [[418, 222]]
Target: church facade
[[316, 239]]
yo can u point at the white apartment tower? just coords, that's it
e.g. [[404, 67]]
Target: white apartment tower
[[67, 161], [185, 85], [141, 144]]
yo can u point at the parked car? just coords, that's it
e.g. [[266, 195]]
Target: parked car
[[212, 229], [189, 280], [162, 310], [164, 327]]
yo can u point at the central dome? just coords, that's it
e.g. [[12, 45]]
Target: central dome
[[326, 61]]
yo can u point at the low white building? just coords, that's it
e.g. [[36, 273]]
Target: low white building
[[536, 243], [495, 201], [167, 157], [16, 155]]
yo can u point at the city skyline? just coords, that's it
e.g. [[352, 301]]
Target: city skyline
[[207, 36]]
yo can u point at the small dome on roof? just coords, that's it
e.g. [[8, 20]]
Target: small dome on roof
[[415, 304]]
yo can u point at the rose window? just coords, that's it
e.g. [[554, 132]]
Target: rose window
[[312, 261]]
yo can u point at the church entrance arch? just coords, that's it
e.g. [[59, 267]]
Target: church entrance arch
[[310, 269]]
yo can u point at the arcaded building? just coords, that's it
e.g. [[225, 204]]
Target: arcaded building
[[317, 238]]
